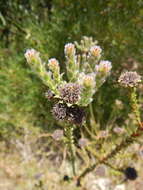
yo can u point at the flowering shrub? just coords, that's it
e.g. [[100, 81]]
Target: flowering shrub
[[85, 71], [73, 91]]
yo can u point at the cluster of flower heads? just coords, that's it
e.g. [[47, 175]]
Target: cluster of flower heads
[[85, 72], [129, 79], [73, 114]]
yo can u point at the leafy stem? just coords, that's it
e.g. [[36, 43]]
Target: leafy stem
[[70, 142], [135, 106]]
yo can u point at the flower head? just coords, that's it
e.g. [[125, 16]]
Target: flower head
[[32, 55], [73, 114], [69, 49], [95, 51], [76, 115], [129, 79], [53, 64], [104, 67], [70, 92], [89, 80], [59, 111]]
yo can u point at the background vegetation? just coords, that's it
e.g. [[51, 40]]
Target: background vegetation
[[47, 25]]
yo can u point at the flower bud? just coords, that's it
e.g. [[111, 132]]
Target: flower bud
[[89, 81], [32, 55], [95, 51], [69, 49], [104, 67], [53, 64], [55, 68]]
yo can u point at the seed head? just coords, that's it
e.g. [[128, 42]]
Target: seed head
[[70, 92], [59, 111], [76, 115], [129, 79]]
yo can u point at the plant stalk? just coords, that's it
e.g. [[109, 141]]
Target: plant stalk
[[135, 106], [70, 137]]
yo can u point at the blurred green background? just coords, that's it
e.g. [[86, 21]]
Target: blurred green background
[[47, 25]]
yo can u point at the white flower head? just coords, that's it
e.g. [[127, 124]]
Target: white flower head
[[104, 67], [31, 55], [87, 80], [53, 64], [95, 51], [69, 49]]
